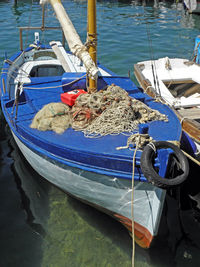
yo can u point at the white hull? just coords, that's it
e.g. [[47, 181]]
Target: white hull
[[104, 192], [179, 72], [193, 6]]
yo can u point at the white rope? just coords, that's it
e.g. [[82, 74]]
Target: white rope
[[50, 87], [192, 158], [149, 86], [132, 201], [152, 146], [132, 140], [182, 119]]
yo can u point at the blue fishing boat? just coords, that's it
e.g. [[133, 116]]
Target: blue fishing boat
[[90, 132]]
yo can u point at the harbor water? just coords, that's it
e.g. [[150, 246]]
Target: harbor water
[[40, 226]]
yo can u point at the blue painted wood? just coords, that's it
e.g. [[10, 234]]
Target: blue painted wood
[[72, 148]]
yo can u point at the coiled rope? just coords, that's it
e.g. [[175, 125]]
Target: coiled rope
[[110, 111], [113, 112]]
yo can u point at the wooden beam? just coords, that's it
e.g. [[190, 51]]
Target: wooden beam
[[190, 113], [92, 40], [60, 55], [74, 42], [3, 83], [144, 83], [41, 28]]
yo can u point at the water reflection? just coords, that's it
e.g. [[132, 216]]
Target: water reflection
[[20, 245], [71, 231], [62, 231], [42, 226]]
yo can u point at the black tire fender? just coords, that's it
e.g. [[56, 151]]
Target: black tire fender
[[152, 176]]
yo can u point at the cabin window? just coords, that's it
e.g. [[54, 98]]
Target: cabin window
[[47, 71], [182, 88], [44, 55]]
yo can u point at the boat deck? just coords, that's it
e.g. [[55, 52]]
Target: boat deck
[[91, 153]]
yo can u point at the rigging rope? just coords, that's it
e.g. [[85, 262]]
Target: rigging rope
[[138, 141], [153, 65], [132, 201], [57, 86], [191, 158], [29, 23]]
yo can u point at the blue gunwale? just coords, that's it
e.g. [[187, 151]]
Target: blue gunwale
[[72, 148]]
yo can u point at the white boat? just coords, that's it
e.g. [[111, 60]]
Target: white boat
[[92, 169], [175, 81], [193, 6]]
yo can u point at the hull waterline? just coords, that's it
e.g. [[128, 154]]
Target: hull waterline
[[113, 198]]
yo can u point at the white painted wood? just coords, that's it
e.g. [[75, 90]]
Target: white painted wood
[[174, 70], [75, 44], [191, 113], [148, 199], [181, 70], [61, 54]]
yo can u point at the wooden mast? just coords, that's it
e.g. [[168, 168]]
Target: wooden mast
[[92, 40], [74, 42]]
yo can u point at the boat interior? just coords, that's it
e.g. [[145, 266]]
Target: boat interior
[[38, 91], [46, 70], [184, 88]]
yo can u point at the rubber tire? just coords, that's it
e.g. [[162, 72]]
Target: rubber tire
[[152, 176]]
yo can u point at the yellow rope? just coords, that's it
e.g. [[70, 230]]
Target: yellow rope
[[132, 200], [177, 143], [192, 158]]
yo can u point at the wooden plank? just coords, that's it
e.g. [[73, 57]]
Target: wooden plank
[[194, 89], [181, 81], [60, 56], [3, 83], [144, 83], [191, 127], [191, 113]]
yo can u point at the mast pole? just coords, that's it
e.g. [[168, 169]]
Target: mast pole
[[92, 40], [43, 15], [74, 41]]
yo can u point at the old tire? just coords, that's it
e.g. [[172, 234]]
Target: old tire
[[147, 159]]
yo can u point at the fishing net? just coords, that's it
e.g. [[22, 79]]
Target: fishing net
[[109, 111], [53, 116]]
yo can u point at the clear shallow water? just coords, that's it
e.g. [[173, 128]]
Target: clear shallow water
[[39, 224]]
